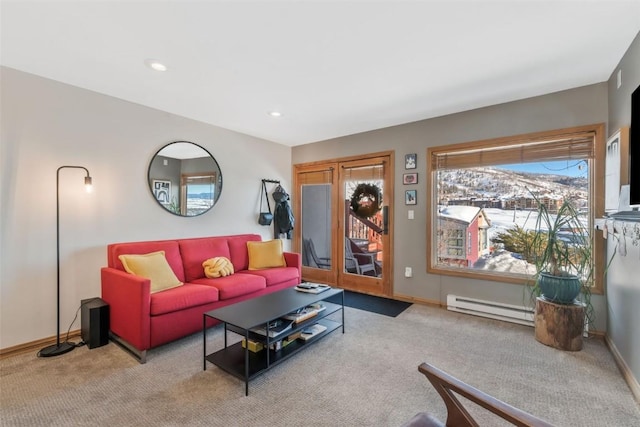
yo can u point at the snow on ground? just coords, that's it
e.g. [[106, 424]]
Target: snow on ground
[[502, 220], [504, 262], [501, 260]]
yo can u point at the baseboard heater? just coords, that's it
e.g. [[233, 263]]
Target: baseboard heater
[[491, 309]]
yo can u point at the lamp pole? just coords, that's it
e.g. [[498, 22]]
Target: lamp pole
[[61, 347]]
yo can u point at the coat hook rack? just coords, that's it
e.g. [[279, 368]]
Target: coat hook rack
[[272, 181]]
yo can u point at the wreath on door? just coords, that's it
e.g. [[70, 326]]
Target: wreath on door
[[366, 200]]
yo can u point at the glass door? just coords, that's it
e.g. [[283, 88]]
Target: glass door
[[317, 224], [345, 222], [364, 228]]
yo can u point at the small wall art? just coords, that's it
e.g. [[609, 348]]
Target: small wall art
[[410, 178], [410, 197], [162, 190], [410, 161]]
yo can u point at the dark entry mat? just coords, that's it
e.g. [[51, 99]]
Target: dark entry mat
[[379, 305]]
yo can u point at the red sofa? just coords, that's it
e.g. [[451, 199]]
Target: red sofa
[[140, 320]]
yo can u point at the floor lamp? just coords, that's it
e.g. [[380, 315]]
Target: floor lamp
[[61, 347]]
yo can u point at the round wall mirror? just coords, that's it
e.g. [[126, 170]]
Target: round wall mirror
[[185, 179]]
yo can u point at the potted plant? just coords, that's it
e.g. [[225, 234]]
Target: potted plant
[[561, 250]]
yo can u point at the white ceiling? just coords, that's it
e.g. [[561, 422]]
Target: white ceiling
[[332, 68]]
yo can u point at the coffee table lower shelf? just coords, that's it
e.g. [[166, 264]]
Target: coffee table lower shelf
[[231, 359]]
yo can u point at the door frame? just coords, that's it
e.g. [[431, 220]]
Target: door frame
[[382, 286]]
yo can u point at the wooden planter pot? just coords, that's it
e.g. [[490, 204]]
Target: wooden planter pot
[[559, 325]]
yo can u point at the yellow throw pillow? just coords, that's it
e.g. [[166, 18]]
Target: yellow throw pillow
[[217, 267], [265, 254], [153, 266]]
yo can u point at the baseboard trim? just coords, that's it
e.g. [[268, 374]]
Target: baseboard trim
[[632, 382], [417, 300], [34, 346]]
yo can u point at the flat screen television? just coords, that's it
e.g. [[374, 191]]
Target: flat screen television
[[634, 150]]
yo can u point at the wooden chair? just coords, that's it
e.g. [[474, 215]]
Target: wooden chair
[[457, 415]]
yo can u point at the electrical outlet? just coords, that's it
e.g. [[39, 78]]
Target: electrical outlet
[[408, 272]]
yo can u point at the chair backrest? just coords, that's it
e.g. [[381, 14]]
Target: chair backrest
[[312, 257], [347, 247], [350, 263], [457, 414], [312, 252], [305, 253]]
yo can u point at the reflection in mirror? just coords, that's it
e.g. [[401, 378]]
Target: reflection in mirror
[[185, 179]]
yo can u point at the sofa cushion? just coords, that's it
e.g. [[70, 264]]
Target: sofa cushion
[[196, 251], [181, 298], [237, 285], [275, 276], [267, 254], [239, 252], [153, 266], [170, 248], [217, 267]]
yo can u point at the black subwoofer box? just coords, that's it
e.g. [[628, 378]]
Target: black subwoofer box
[[94, 319]]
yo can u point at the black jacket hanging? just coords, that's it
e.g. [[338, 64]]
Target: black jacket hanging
[[282, 216]]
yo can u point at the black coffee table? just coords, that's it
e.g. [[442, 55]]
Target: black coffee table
[[242, 317]]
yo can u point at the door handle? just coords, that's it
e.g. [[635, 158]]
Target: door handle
[[385, 220]]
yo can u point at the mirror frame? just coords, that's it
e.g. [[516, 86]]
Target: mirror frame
[[151, 181]]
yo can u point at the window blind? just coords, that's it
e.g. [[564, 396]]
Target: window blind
[[570, 148], [315, 177]]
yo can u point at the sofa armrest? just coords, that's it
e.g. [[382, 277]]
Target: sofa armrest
[[129, 299], [294, 259]]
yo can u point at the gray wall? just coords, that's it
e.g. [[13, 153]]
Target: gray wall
[[623, 285], [46, 124], [581, 106]]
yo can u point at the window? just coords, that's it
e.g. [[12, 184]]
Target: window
[[452, 243], [478, 191], [198, 193]]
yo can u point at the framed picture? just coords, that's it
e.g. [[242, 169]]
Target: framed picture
[[162, 191], [410, 178], [410, 161], [616, 170], [410, 197]]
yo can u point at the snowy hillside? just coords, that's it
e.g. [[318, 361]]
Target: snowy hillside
[[490, 182]]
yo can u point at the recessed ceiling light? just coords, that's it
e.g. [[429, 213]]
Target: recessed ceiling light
[[275, 113], [154, 64]]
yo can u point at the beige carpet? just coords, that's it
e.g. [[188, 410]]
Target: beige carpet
[[366, 377]]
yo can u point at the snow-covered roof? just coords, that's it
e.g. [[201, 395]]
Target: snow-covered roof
[[460, 213]]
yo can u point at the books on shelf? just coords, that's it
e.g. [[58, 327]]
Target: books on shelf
[[305, 313], [312, 288], [276, 327], [279, 345], [312, 331], [254, 346], [291, 338]]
